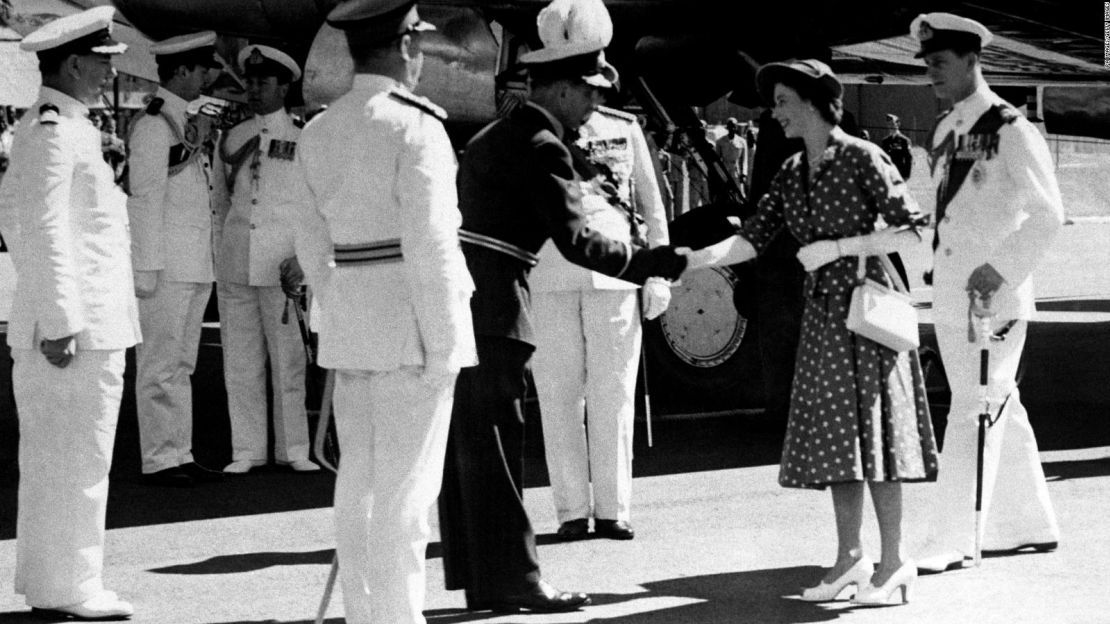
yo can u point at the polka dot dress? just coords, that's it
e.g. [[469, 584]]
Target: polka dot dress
[[858, 410]]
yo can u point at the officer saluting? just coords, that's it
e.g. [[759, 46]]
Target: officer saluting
[[172, 212], [72, 318], [253, 245], [998, 208], [376, 230], [518, 188]]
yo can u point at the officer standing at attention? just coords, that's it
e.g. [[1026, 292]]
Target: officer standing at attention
[[733, 150], [172, 210], [259, 155], [897, 146], [376, 230], [998, 209], [73, 316], [518, 188], [588, 333]]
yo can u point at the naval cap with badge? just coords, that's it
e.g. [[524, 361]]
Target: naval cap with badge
[[372, 23], [190, 50], [574, 34], [817, 75], [945, 31], [87, 32], [261, 60]]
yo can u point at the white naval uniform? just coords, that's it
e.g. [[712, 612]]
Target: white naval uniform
[[1006, 213], [171, 232], [380, 169], [252, 242], [65, 222], [588, 336]]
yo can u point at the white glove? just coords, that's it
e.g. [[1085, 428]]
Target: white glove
[[146, 283], [816, 255], [437, 372], [657, 296]]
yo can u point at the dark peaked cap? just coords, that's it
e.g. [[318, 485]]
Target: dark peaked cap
[[377, 21]]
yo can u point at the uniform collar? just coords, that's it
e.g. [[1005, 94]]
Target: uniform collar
[[68, 105], [974, 105], [275, 119], [375, 83], [172, 103], [556, 127]]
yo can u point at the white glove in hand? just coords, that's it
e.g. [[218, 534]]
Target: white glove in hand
[[146, 283], [437, 372], [816, 255], [657, 296]]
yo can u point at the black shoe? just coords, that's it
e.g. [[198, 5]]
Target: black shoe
[[614, 529], [542, 597], [572, 530], [200, 474], [170, 477]]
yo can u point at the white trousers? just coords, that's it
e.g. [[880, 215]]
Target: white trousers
[[250, 330], [165, 361], [392, 438], [67, 426], [1016, 507], [587, 356]]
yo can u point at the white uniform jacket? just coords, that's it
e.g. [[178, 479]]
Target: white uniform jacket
[[171, 215], [1006, 213], [253, 240], [65, 222], [378, 173], [612, 138]]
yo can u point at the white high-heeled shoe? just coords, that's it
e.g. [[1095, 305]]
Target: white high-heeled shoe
[[903, 578], [859, 575]]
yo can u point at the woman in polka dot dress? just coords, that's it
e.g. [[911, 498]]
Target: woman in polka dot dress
[[858, 409]]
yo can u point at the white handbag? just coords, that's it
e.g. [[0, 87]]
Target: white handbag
[[883, 314]]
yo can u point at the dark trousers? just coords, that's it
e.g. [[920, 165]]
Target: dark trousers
[[489, 548]]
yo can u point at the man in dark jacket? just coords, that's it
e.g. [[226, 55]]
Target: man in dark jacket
[[518, 187]]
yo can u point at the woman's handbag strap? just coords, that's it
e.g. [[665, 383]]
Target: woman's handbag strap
[[888, 266]]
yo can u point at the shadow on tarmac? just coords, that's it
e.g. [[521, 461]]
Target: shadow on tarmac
[[754, 596]]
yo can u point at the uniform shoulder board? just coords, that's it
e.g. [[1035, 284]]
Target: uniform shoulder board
[[617, 114], [154, 106], [422, 103], [48, 114], [1008, 113]]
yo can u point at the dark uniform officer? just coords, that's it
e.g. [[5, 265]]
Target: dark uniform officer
[[517, 188]]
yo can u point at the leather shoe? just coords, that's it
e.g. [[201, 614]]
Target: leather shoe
[[170, 477], [200, 474], [940, 562], [614, 529], [103, 607], [541, 597], [303, 465], [572, 530]]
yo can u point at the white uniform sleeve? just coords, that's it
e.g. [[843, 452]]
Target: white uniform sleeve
[[47, 237], [148, 173], [1030, 167], [311, 237], [439, 282], [647, 199]]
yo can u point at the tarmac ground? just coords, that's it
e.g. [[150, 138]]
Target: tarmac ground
[[718, 541]]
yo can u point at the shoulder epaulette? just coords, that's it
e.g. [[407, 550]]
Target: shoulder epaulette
[[1008, 112], [154, 106], [422, 103], [618, 114], [48, 114]]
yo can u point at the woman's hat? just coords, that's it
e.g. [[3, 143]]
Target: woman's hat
[[575, 34], [808, 70]]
